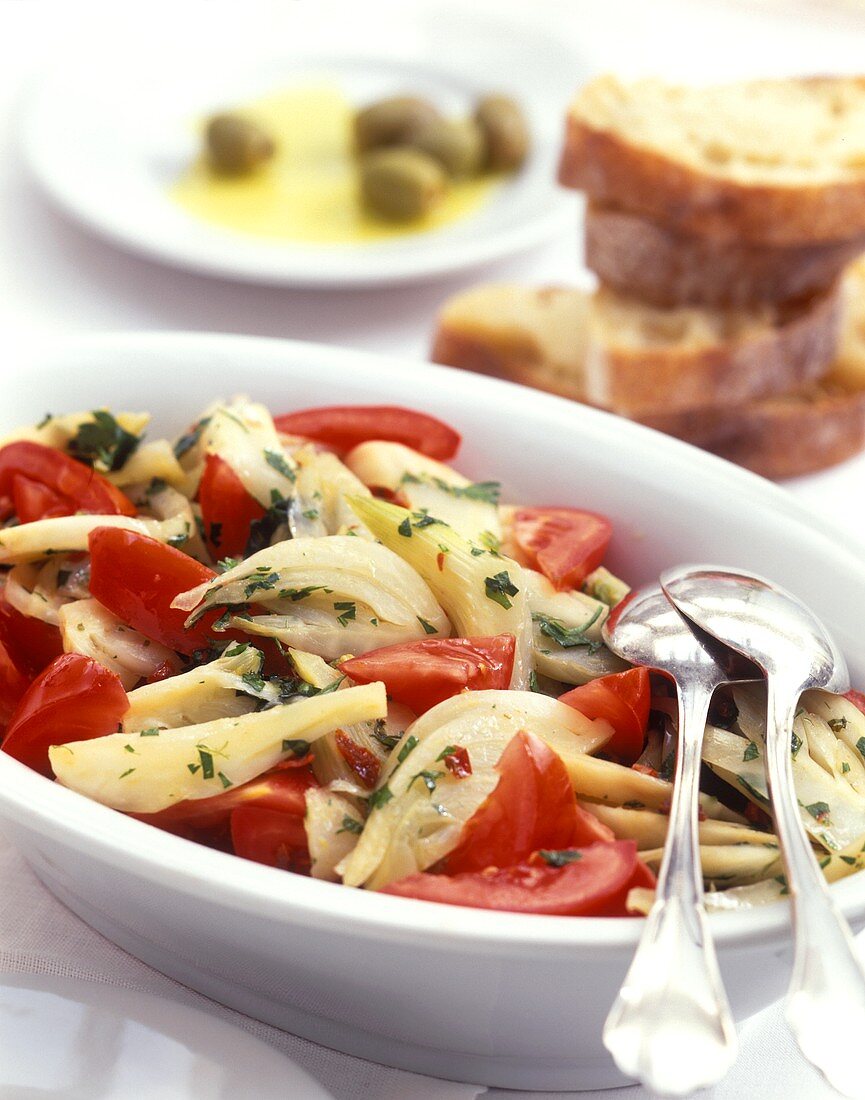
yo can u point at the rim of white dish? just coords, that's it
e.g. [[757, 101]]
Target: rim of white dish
[[190, 868]]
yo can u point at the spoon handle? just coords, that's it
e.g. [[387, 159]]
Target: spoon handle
[[670, 1025], [825, 1007]]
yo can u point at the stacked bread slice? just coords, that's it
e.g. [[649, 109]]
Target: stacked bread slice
[[721, 223]]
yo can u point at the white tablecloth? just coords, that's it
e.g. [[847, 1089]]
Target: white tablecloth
[[56, 278]]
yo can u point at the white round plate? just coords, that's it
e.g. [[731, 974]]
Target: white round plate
[[106, 136], [68, 1039]]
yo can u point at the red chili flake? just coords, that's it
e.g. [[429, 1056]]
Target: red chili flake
[[458, 763], [440, 561], [161, 672], [644, 769], [390, 495], [756, 816], [362, 762]]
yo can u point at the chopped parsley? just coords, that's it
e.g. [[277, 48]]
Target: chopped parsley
[[751, 753], [860, 745], [225, 781], [837, 724], [404, 528], [348, 611], [236, 650], [499, 588], [102, 443], [379, 732], [188, 441], [448, 750], [427, 627], [410, 744], [279, 463], [221, 624], [429, 779], [295, 594], [206, 758], [296, 748], [225, 564], [152, 732], [261, 531], [560, 858], [254, 681], [819, 811], [128, 771], [350, 825], [795, 744], [380, 798], [262, 583], [565, 636]]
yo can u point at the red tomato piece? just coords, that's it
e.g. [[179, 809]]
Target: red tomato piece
[[30, 643], [65, 483], [532, 806], [33, 500], [136, 577], [421, 674], [227, 508], [857, 698], [566, 544], [270, 837], [282, 789], [344, 426], [458, 762], [74, 699], [623, 700], [595, 884], [13, 684]]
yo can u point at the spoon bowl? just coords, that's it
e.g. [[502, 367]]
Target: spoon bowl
[[760, 621]]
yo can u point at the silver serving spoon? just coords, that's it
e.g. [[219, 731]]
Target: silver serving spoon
[[825, 1006], [670, 1026]]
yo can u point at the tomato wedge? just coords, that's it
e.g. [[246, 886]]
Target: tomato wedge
[[282, 789], [596, 883], [532, 806], [136, 577], [422, 674], [31, 643], [623, 700], [74, 699], [270, 837], [46, 482], [566, 544], [344, 426], [227, 508]]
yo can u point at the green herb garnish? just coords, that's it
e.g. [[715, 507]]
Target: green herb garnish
[[102, 443], [499, 587]]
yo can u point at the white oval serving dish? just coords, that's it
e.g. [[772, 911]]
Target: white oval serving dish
[[502, 999]]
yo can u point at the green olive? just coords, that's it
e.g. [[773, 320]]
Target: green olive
[[235, 145], [456, 143], [506, 131], [392, 121], [400, 184]]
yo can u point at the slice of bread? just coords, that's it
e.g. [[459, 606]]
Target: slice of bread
[[776, 162], [644, 259], [815, 426], [614, 352]]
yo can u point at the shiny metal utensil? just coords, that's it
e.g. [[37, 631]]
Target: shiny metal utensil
[[825, 1006], [670, 1025]]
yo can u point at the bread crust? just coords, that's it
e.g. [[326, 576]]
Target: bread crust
[[515, 360], [687, 200], [645, 259], [664, 378], [780, 437]]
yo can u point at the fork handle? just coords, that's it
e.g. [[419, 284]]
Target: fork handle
[[825, 1005], [670, 1025]]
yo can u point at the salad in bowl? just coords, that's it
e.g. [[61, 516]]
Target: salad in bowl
[[308, 640]]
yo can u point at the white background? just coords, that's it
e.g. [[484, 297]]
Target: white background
[[56, 278]]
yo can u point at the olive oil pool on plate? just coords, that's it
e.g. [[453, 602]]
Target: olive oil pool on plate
[[308, 191]]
